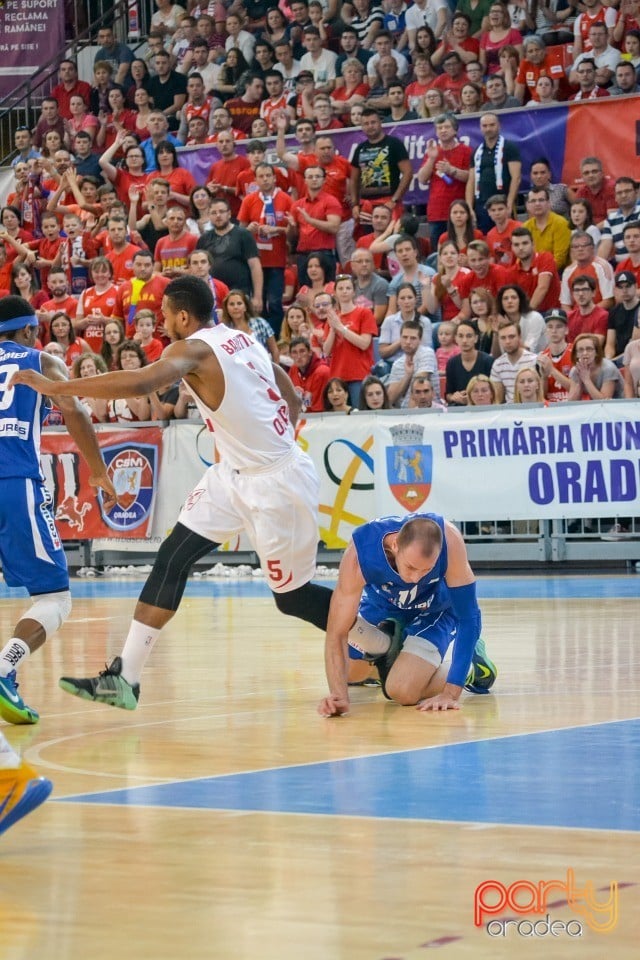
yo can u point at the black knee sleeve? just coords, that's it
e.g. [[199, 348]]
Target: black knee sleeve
[[309, 602], [176, 556]]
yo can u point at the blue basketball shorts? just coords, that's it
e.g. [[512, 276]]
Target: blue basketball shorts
[[427, 634], [30, 546]]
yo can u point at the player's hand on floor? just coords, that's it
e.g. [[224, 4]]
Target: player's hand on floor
[[333, 707], [441, 702]]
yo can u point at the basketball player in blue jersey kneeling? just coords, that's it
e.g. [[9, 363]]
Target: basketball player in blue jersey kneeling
[[406, 592]]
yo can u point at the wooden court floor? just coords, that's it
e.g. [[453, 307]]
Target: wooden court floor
[[225, 820]]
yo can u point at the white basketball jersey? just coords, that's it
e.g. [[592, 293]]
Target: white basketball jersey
[[251, 425]]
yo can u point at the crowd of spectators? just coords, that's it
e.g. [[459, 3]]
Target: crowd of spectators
[[316, 254]]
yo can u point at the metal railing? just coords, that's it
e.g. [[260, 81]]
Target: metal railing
[[20, 107]]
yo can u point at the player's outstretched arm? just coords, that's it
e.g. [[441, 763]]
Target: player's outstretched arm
[[178, 360], [342, 616], [79, 425]]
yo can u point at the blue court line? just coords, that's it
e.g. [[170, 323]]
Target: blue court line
[[489, 588], [585, 777]]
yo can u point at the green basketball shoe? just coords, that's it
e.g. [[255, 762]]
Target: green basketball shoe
[[483, 672], [108, 687]]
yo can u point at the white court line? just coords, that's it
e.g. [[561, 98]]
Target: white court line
[[314, 763], [465, 824]]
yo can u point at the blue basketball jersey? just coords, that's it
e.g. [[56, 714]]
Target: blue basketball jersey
[[22, 411], [383, 582]]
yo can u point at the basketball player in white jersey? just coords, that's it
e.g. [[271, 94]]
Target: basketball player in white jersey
[[264, 483]]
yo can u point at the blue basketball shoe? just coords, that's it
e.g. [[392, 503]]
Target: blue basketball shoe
[[21, 791], [13, 709]]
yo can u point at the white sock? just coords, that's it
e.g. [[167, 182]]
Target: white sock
[[12, 655], [137, 647], [369, 639], [9, 759]]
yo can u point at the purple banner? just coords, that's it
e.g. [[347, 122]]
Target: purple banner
[[538, 132], [31, 33]]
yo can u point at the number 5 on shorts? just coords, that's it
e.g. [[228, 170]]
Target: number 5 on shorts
[[274, 568]]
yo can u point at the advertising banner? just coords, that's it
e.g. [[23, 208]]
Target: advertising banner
[[31, 31], [133, 464], [577, 460], [568, 460]]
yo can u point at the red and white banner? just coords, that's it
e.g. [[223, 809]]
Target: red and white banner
[[133, 463]]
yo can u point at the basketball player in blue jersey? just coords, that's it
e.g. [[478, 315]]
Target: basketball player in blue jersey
[[264, 484], [30, 549], [405, 592]]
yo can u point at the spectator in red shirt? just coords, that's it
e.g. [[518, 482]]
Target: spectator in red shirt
[[133, 171], [482, 273], [96, 304], [180, 180], [586, 317], [62, 333], [144, 291], [246, 108], [347, 338], [452, 80], [316, 217], [145, 323], [60, 300], [172, 252], [50, 119], [68, 86], [499, 237], [586, 75], [446, 169], [535, 273], [122, 252], [223, 176], [246, 182], [265, 214], [598, 189], [309, 375], [536, 63]]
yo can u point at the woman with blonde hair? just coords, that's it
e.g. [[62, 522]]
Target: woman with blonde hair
[[500, 34], [354, 89], [528, 386], [91, 365], [481, 391]]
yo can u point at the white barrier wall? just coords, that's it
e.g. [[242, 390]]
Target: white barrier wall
[[503, 463]]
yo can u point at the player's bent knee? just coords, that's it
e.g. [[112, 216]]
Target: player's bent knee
[[401, 692], [50, 610], [292, 603], [175, 558]]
